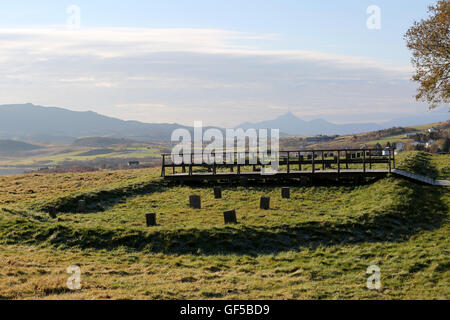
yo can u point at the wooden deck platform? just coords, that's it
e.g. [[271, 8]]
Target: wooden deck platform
[[280, 175], [298, 164]]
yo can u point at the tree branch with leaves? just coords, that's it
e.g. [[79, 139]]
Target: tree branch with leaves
[[429, 41]]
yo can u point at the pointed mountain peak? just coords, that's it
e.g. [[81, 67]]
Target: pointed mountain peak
[[288, 115]]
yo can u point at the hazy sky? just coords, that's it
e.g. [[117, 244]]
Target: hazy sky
[[222, 62]]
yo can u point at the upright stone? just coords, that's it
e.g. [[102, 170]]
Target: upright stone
[[195, 202], [264, 203], [217, 192], [81, 205], [285, 192], [230, 216], [52, 212], [150, 219]]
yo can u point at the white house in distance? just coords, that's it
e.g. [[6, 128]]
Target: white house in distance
[[400, 147], [430, 130]]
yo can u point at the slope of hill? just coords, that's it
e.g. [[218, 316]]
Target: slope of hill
[[101, 142], [12, 146], [30, 121]]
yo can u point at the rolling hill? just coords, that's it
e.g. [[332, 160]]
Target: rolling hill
[[30, 122], [101, 142], [12, 146]]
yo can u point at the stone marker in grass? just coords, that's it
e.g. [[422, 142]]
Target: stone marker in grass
[[230, 216], [52, 212], [217, 192], [264, 203], [195, 202], [285, 192], [150, 219], [81, 205]]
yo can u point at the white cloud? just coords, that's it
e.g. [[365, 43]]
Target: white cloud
[[142, 105], [218, 76]]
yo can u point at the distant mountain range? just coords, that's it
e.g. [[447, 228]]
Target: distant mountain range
[[50, 124], [290, 124]]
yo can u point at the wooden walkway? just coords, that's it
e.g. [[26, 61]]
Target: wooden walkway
[[420, 178]]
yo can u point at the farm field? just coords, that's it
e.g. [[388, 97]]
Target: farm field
[[315, 245], [68, 155]]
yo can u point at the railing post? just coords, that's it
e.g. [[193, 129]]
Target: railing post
[[370, 160], [238, 159], [299, 161], [364, 160], [163, 166], [339, 161], [288, 163], [313, 168], [389, 159], [190, 165], [346, 159], [215, 165], [232, 162], [323, 162]]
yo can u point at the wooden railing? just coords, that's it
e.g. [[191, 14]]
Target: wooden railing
[[292, 159]]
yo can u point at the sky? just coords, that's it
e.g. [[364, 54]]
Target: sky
[[220, 62]]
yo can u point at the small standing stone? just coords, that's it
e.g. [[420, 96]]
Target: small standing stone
[[285, 192], [264, 203], [230, 216], [195, 202], [81, 205], [52, 212], [217, 192], [150, 218]]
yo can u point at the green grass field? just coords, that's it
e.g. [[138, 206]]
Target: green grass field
[[316, 245], [52, 156]]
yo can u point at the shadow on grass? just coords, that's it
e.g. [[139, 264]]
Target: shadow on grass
[[101, 200], [98, 201]]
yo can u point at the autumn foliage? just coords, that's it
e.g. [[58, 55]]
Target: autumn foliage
[[429, 41]]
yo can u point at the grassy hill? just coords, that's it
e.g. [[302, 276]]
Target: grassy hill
[[13, 146], [101, 142], [316, 245], [392, 135]]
